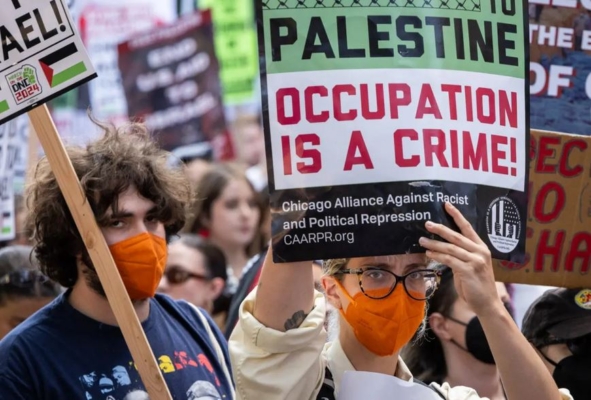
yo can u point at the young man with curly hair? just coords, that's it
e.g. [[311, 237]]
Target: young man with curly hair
[[73, 349]]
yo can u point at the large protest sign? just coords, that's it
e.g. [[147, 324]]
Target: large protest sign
[[560, 48], [235, 43], [41, 36], [376, 113], [559, 214], [42, 56], [103, 25], [11, 154], [171, 81]]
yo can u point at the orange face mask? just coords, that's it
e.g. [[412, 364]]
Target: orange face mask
[[141, 261], [383, 326]]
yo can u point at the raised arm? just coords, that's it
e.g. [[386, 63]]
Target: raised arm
[[276, 345], [285, 294], [523, 373]]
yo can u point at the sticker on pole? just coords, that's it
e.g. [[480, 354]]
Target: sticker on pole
[[41, 55]]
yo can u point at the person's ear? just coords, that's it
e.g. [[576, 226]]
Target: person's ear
[[331, 291], [439, 326], [217, 287]]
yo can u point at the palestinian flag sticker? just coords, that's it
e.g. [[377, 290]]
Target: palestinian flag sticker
[[62, 66]]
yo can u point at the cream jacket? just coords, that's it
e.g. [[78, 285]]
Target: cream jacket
[[273, 365]]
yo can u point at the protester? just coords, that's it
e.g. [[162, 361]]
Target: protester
[[195, 272], [73, 348], [456, 350], [277, 346], [558, 325], [23, 288], [228, 213]]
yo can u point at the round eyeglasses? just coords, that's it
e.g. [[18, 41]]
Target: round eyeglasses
[[378, 283]]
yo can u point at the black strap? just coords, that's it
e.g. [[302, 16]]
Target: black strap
[[327, 389]]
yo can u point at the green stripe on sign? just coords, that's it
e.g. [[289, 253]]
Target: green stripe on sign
[[6, 229], [68, 74], [3, 106]]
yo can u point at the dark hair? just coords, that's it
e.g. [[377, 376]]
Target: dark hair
[[124, 157], [215, 261], [20, 275], [210, 188], [425, 358]]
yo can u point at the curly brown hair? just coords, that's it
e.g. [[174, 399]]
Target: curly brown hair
[[123, 157]]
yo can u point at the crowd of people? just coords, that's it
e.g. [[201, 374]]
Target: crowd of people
[[190, 241]]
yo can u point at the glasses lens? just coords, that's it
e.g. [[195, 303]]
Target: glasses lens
[[377, 283], [421, 285], [23, 279], [176, 275]]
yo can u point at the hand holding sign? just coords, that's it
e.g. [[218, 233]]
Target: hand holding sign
[[469, 258]]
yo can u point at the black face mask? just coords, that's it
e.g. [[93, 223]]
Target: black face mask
[[475, 341], [573, 373]]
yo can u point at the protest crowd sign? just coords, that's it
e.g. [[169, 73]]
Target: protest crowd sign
[[171, 81], [560, 66], [376, 116], [42, 57], [559, 214], [235, 43]]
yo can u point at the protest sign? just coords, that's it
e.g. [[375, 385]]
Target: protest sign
[[559, 214], [377, 113], [40, 35], [560, 67], [103, 25], [235, 45], [42, 56], [171, 81], [10, 154]]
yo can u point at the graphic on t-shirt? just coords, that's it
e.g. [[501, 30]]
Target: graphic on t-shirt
[[137, 395], [124, 383], [203, 390]]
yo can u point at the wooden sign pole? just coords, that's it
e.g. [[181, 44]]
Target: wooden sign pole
[[100, 254]]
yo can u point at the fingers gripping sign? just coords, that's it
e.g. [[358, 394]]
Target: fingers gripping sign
[[469, 258]]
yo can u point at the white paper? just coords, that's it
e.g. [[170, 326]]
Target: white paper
[[372, 386]]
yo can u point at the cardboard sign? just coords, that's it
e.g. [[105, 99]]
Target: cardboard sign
[[236, 47], [560, 67], [171, 81], [559, 214], [41, 56], [375, 116]]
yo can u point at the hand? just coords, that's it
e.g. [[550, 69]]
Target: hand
[[469, 258]]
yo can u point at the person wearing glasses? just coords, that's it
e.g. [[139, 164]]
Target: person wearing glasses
[[23, 288], [195, 272], [278, 347]]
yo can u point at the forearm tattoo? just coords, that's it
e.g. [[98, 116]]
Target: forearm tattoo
[[295, 321]]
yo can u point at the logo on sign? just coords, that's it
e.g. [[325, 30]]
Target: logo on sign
[[503, 224], [24, 84]]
